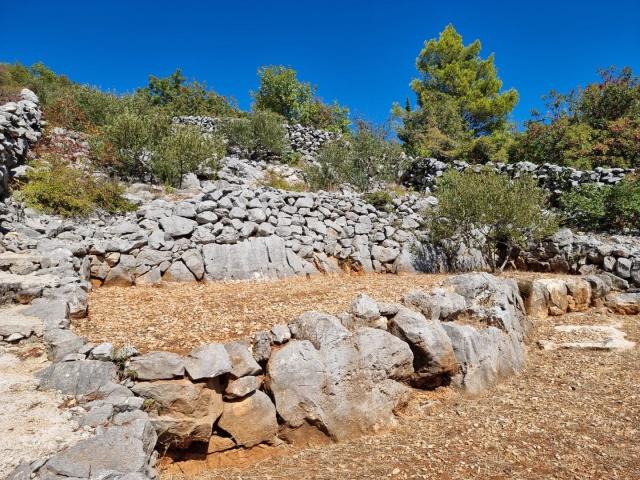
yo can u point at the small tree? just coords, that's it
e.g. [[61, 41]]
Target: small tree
[[359, 159], [281, 92], [490, 212], [459, 98], [185, 150]]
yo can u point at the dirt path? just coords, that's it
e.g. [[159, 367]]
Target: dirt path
[[570, 415]]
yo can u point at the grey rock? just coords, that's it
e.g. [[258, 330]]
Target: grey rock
[[280, 333], [242, 361], [156, 366], [250, 420], [178, 272], [207, 361], [83, 377], [182, 412], [177, 226], [438, 304], [434, 361], [241, 387]]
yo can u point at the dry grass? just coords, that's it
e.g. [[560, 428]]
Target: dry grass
[[179, 317]]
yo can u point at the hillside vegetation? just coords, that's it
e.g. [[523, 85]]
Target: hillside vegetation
[[461, 111]]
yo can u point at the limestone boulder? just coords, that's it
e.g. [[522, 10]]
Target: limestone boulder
[[207, 361], [250, 420], [241, 360], [434, 361], [182, 412], [343, 388], [156, 366], [624, 303], [437, 304], [82, 377], [178, 272]]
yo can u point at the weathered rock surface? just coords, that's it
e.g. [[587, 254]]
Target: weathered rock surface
[[83, 377], [491, 344], [250, 420], [207, 361], [156, 366], [346, 385], [182, 412], [434, 361]]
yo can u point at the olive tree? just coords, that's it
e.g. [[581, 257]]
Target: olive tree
[[490, 212]]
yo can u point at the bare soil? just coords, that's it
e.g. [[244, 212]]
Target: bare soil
[[572, 414], [179, 317]]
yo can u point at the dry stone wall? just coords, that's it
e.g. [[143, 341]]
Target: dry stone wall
[[320, 377], [20, 128], [424, 172]]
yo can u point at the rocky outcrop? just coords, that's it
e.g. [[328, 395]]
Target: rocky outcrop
[[20, 128]]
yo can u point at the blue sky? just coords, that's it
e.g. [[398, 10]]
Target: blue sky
[[361, 53]]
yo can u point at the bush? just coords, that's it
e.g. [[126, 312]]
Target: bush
[[489, 212], [263, 132], [128, 140], [268, 133], [281, 92], [185, 150], [361, 159], [381, 200], [598, 125], [603, 208], [57, 188]]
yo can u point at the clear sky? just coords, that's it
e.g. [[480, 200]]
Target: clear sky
[[361, 53]]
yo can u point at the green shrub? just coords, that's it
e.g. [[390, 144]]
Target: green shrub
[[185, 150], [128, 138], [263, 132], [603, 208], [382, 200], [361, 159], [490, 212], [281, 92], [598, 125], [269, 132], [55, 187]]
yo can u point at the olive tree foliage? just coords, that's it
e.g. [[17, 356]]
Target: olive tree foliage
[[490, 212], [459, 102], [281, 92], [360, 159], [185, 150]]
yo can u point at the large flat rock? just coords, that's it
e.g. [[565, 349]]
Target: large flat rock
[[254, 258]]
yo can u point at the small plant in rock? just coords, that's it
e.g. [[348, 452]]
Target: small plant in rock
[[276, 181], [150, 405], [490, 212], [382, 200], [55, 187]]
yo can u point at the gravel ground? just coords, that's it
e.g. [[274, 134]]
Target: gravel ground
[[32, 424], [179, 317]]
